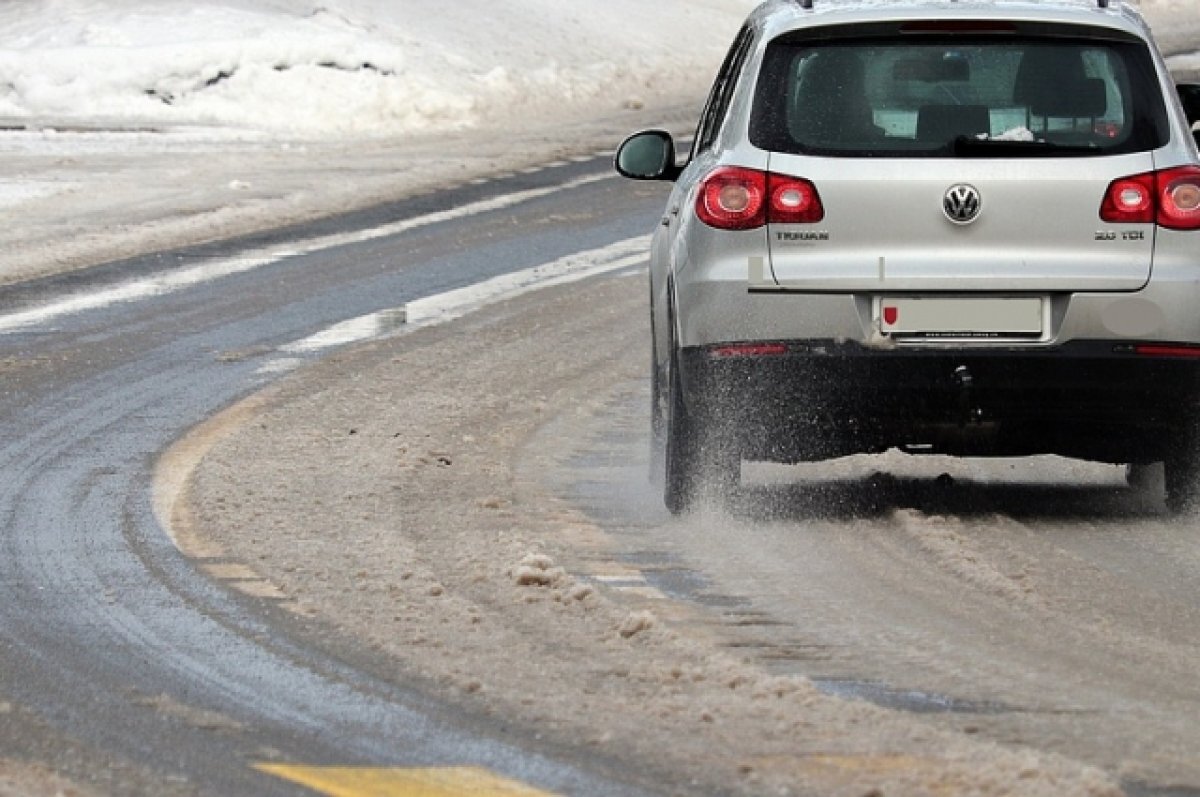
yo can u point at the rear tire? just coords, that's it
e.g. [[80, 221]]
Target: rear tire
[[1146, 477], [1182, 472], [658, 423], [699, 463], [681, 475]]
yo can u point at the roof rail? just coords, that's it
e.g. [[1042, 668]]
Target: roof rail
[[808, 4]]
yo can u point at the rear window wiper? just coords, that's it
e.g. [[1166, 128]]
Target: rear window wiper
[[968, 146]]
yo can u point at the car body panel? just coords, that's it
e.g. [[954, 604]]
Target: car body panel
[[1038, 228]]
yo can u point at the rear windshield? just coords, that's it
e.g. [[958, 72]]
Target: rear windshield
[[954, 96]]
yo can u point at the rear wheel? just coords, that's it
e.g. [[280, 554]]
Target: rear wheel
[[658, 421], [1145, 477], [658, 411], [699, 462], [1182, 473]]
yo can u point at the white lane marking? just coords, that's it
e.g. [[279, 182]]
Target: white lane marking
[[450, 305], [364, 327], [170, 282], [571, 268], [280, 366], [156, 285]]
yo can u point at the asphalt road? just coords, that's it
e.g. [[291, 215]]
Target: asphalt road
[[120, 664], [1036, 602]]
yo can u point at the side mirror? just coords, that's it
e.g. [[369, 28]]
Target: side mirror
[[1189, 95], [649, 155]]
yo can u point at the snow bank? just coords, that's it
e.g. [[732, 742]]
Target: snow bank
[[346, 67], [141, 125], [361, 67]]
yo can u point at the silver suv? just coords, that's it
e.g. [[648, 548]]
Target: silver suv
[[959, 227]]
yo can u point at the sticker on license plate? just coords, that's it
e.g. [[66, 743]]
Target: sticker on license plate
[[960, 317]]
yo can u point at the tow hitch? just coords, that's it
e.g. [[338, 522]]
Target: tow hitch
[[970, 414]]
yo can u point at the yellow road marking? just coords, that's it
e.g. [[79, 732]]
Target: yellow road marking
[[380, 782]]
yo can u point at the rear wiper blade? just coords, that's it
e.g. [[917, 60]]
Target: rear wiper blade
[[966, 146]]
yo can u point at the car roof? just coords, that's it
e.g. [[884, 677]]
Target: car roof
[[780, 16]]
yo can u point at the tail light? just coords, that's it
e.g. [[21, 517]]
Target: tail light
[[732, 198], [735, 198], [1170, 199], [1179, 199]]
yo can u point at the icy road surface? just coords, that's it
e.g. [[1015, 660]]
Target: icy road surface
[[481, 515], [147, 124]]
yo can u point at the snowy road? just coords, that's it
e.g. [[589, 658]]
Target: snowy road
[[1050, 617], [123, 664], [1041, 606], [969, 627], [1034, 602]]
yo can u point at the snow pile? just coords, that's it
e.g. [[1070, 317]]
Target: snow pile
[[360, 67], [347, 67], [143, 125]]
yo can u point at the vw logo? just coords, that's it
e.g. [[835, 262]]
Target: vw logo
[[962, 204]]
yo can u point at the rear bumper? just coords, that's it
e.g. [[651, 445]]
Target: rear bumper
[[1096, 400], [715, 305]]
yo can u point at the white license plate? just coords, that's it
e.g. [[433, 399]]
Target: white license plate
[[960, 317]]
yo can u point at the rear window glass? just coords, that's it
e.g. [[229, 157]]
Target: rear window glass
[[950, 96]]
